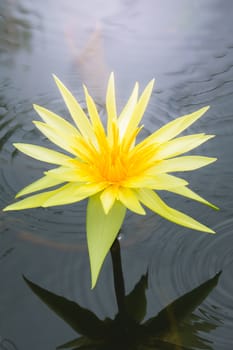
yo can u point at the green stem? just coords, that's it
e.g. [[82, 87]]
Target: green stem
[[118, 276]]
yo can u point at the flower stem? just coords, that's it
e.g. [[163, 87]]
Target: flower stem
[[118, 276]]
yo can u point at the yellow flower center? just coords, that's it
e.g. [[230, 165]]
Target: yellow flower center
[[112, 166]]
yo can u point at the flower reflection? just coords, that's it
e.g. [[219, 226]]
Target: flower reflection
[[127, 330], [90, 60]]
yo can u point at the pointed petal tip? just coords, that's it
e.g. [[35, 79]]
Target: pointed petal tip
[[212, 206], [210, 137], [211, 231], [6, 208], [57, 80], [203, 110], [17, 145], [38, 108], [149, 87], [206, 229], [93, 283], [111, 79], [54, 76], [203, 228], [111, 75], [152, 81], [94, 276], [35, 106], [19, 194], [11, 207], [210, 160], [85, 89], [86, 92]]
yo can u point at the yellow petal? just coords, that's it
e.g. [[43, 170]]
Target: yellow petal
[[129, 199], [139, 109], [56, 122], [41, 184], [127, 111], [42, 153], [184, 163], [76, 111], [150, 199], [102, 229], [175, 127], [73, 192], [158, 182], [63, 141], [37, 200], [129, 142], [186, 192], [65, 174], [96, 121], [62, 133], [93, 112], [180, 145], [112, 127], [108, 197], [110, 99]]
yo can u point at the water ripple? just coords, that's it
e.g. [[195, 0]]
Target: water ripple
[[18, 170], [181, 262]]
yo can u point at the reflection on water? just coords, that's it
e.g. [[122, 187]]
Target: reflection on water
[[188, 48], [91, 62], [15, 27], [128, 330]]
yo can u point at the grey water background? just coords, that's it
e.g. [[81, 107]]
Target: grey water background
[[188, 47]]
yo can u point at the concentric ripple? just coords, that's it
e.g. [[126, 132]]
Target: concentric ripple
[[182, 262], [190, 55]]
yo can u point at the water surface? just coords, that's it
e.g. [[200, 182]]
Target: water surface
[[188, 48]]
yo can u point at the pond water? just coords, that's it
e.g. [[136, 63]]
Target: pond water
[[188, 47]]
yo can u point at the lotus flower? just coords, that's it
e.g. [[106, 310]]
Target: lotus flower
[[110, 168]]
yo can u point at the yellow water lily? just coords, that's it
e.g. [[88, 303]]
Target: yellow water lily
[[107, 166]]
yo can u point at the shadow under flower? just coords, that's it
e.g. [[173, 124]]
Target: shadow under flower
[[127, 330]]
